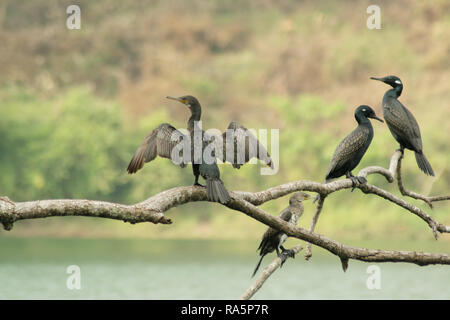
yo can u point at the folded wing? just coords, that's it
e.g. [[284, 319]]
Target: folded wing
[[268, 236], [403, 125], [348, 149]]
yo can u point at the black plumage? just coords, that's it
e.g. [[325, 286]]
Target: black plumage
[[350, 151], [164, 140], [402, 123], [273, 239]]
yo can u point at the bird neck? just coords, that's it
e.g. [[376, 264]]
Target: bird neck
[[362, 119], [196, 114], [296, 205], [296, 210], [395, 92]]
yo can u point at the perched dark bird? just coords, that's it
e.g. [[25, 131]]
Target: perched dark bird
[[165, 139], [273, 238], [402, 123], [350, 151]]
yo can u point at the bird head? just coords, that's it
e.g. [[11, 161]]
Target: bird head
[[367, 112], [189, 101], [299, 197], [393, 81]]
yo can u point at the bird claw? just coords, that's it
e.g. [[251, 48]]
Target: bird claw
[[357, 181], [361, 180], [354, 182], [198, 185], [283, 258], [288, 253]]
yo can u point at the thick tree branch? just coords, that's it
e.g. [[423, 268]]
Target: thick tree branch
[[11, 212], [342, 251], [152, 209], [265, 274]]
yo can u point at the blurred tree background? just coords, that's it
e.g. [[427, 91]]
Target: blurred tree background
[[75, 104]]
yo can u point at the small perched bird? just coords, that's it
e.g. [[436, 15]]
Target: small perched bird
[[402, 123], [164, 140], [273, 238], [350, 151]]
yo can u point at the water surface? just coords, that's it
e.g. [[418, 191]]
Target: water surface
[[200, 269]]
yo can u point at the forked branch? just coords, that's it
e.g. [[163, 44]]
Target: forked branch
[[152, 210]]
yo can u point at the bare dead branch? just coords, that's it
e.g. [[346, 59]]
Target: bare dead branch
[[152, 209], [434, 225], [265, 274], [427, 199], [11, 212], [319, 207], [338, 249]]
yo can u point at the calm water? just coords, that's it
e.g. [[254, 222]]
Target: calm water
[[157, 269]]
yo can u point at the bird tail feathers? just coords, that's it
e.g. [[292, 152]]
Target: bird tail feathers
[[257, 266], [423, 164], [216, 191]]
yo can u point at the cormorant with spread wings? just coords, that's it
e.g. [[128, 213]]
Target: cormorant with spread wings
[[236, 145]]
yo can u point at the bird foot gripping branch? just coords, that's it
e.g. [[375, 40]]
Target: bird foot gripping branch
[[357, 181]]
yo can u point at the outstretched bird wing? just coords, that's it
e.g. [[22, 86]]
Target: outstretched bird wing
[[348, 149], [160, 142], [239, 145], [403, 124]]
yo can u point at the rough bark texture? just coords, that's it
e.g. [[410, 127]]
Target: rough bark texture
[[152, 210], [265, 274], [11, 212]]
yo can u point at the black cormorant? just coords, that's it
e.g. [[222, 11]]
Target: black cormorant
[[273, 238], [402, 123], [350, 151], [162, 141]]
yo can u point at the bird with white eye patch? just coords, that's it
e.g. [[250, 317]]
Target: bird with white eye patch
[[402, 124], [350, 151]]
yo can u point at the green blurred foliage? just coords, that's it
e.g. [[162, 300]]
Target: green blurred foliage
[[66, 147], [75, 105]]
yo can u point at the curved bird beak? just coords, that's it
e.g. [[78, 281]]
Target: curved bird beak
[[379, 79], [305, 198], [375, 117], [176, 99]]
